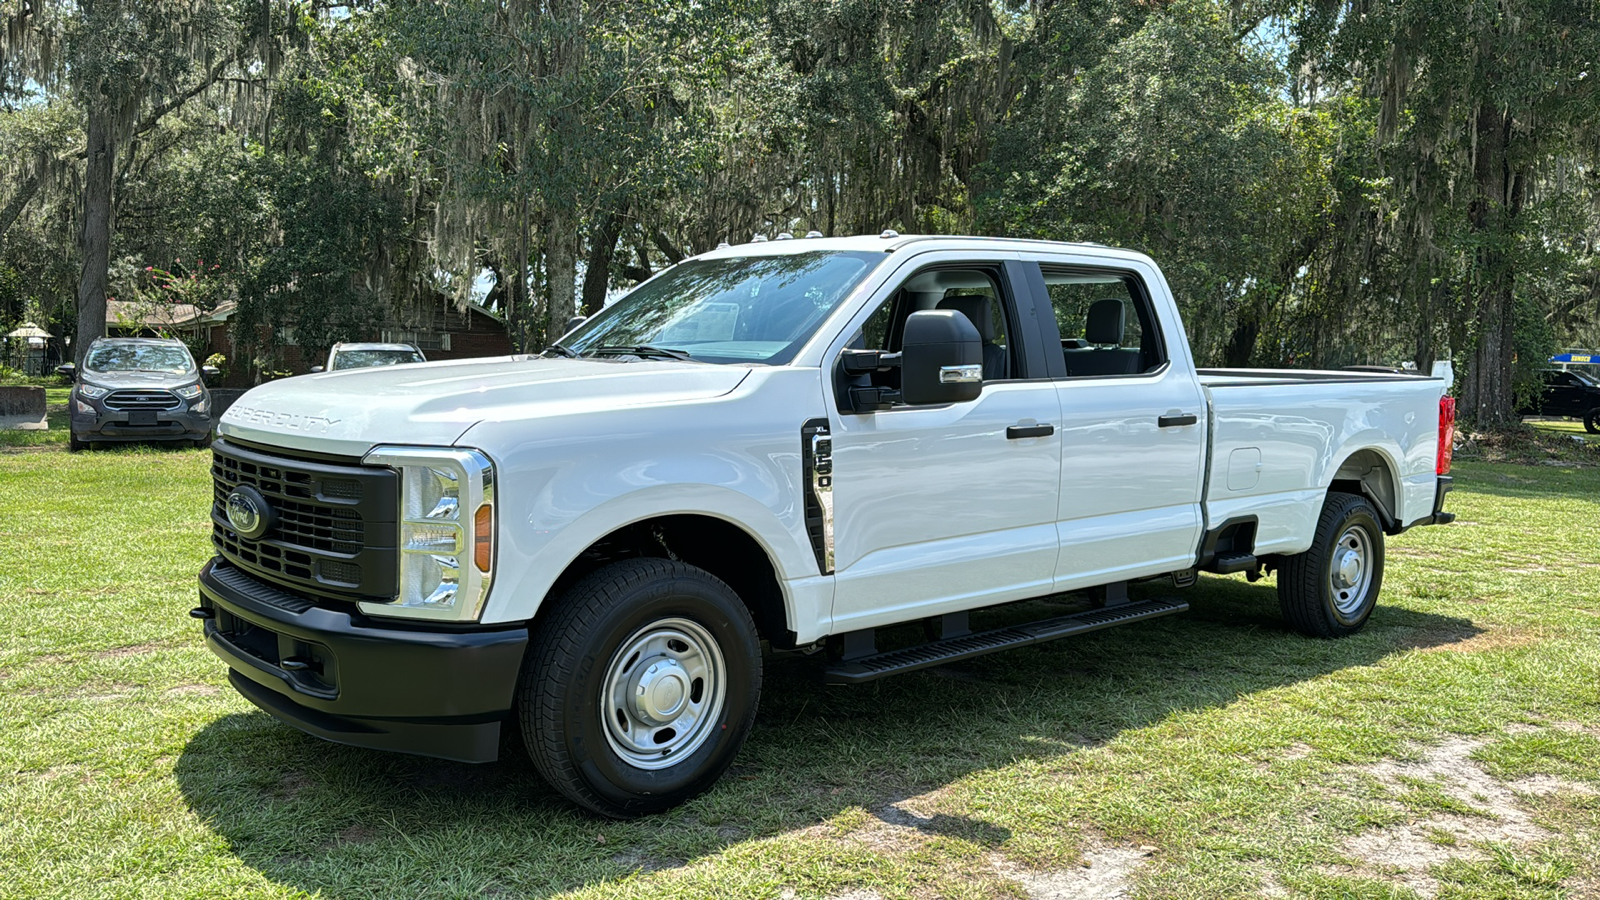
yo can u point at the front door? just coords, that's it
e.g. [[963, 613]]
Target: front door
[[943, 508]]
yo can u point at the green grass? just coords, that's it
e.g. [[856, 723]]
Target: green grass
[[1241, 758]]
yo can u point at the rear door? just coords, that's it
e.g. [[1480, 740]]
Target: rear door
[[941, 508], [1133, 423]]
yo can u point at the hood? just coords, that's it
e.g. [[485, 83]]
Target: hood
[[347, 413], [118, 380]]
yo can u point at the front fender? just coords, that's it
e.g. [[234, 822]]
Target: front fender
[[527, 566]]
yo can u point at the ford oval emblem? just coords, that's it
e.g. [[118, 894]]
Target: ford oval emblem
[[248, 512]]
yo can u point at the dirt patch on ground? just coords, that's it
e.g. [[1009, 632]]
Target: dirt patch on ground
[[131, 650], [292, 785], [1106, 873], [1507, 638], [1489, 812], [194, 690], [356, 834]]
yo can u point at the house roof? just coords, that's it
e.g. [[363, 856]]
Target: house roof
[[130, 314]]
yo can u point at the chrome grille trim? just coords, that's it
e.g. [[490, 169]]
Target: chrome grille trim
[[131, 399]]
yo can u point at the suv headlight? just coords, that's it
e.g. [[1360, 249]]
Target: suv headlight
[[189, 392], [92, 391], [446, 532]]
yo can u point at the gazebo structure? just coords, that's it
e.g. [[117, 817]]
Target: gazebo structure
[[27, 348]]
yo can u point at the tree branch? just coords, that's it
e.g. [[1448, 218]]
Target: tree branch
[[19, 202]]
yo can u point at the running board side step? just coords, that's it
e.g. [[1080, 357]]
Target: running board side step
[[948, 650]]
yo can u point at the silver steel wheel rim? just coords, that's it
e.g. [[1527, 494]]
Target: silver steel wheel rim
[[1350, 571], [663, 693]]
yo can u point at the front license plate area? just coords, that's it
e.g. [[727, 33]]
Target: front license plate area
[[142, 417]]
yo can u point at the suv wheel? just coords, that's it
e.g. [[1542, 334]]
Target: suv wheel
[[1591, 421], [74, 444], [640, 686], [1331, 588]]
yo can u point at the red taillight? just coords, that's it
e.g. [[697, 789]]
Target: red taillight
[[1447, 434]]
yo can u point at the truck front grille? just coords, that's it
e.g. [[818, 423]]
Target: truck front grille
[[336, 528], [128, 400]]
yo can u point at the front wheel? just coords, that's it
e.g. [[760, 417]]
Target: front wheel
[[640, 686], [1331, 588], [1591, 421]]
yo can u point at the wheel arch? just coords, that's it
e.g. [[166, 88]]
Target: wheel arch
[[715, 544], [1373, 474]]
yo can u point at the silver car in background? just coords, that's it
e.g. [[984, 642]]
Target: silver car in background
[[361, 356]]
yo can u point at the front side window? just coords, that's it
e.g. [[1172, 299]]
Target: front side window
[[749, 309], [167, 359], [1105, 322], [973, 292]]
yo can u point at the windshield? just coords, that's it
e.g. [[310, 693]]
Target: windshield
[[744, 309], [168, 359], [361, 359], [1584, 377]]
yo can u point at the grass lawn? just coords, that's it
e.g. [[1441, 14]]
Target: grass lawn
[[1449, 750]]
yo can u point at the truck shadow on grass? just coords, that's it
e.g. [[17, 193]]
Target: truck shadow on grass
[[351, 823]]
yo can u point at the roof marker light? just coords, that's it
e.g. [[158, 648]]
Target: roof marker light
[[889, 233], [723, 245], [759, 239], [785, 236], [813, 234]]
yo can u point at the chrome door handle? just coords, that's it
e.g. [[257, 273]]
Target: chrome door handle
[[1017, 432], [1174, 421]]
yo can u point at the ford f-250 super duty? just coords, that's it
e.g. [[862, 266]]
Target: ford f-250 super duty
[[794, 441]]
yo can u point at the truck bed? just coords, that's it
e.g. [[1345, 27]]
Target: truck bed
[[1280, 437]]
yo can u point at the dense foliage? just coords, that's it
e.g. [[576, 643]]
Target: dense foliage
[[1325, 182]]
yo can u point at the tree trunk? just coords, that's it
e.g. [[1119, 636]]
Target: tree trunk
[[597, 272], [560, 268], [519, 309], [1487, 389], [95, 239]]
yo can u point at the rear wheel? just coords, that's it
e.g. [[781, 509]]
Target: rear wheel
[[640, 686], [1591, 421], [1331, 588]]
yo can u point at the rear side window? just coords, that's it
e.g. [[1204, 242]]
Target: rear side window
[[1105, 321]]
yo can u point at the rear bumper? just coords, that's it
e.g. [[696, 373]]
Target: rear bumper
[[1439, 516], [346, 678]]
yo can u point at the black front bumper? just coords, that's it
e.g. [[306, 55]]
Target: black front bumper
[[338, 675]]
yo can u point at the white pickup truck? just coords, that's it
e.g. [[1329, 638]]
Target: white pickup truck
[[796, 442]]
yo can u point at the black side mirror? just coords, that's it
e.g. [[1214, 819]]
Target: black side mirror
[[941, 358], [70, 370], [316, 369], [209, 371], [574, 322]]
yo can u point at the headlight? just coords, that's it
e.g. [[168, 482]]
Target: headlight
[[93, 392], [446, 532], [203, 407], [189, 392]]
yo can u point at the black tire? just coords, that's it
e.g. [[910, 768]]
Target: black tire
[[74, 445], [1315, 590], [575, 663], [1591, 421]]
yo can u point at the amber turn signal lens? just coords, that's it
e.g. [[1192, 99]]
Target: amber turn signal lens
[[482, 537]]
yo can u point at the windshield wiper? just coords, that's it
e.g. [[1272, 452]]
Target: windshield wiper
[[647, 350], [562, 351]]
